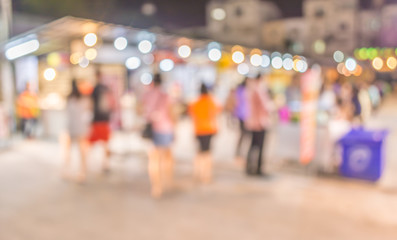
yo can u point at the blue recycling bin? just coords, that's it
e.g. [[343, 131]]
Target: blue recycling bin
[[363, 154]]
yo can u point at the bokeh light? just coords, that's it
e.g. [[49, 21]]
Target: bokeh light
[[277, 62], [377, 63], [54, 59], [120, 43], [275, 54], [90, 39], [166, 65], [362, 53], [218, 14], [339, 56], [319, 47], [358, 71], [213, 45], [372, 53], [340, 67], [287, 55], [148, 9], [243, 68], [301, 66], [75, 57], [256, 60], [145, 46], [133, 63], [91, 53], [238, 57], [214, 54], [49, 74], [146, 78], [351, 64], [184, 51], [265, 61], [288, 63], [148, 59], [391, 63], [84, 62]]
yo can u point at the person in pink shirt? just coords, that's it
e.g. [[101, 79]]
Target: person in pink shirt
[[256, 122], [158, 112]]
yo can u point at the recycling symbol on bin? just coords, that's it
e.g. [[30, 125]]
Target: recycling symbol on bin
[[359, 158]]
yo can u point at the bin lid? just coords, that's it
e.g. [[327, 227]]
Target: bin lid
[[362, 135]]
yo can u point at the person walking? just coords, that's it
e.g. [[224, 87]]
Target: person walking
[[256, 123], [241, 112], [28, 111], [204, 112], [78, 124], [103, 104], [159, 114]]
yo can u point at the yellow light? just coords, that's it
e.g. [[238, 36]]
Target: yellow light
[[319, 46], [392, 63], [53, 59], [340, 67], [377, 63], [255, 51], [236, 48], [90, 39], [296, 60], [91, 53], [49, 74], [75, 58]]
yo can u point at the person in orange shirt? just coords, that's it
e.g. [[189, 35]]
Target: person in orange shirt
[[28, 111], [204, 113]]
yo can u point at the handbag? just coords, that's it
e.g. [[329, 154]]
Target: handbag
[[148, 131]]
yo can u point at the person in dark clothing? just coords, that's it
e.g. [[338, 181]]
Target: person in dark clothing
[[256, 122], [356, 104], [102, 110]]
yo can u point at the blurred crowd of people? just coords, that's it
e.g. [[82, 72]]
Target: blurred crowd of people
[[251, 104], [88, 122]]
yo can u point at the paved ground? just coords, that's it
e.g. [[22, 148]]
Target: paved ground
[[36, 204]]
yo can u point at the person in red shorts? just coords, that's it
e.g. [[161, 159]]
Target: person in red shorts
[[102, 110]]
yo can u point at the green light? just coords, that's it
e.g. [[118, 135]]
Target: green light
[[357, 54], [372, 53], [363, 53]]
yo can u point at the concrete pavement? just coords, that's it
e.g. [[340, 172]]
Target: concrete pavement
[[35, 203]]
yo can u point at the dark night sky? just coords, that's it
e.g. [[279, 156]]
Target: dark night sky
[[170, 13]]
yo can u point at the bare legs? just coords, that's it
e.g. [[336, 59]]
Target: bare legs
[[67, 147], [203, 167], [66, 144], [106, 160], [83, 147], [161, 170]]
